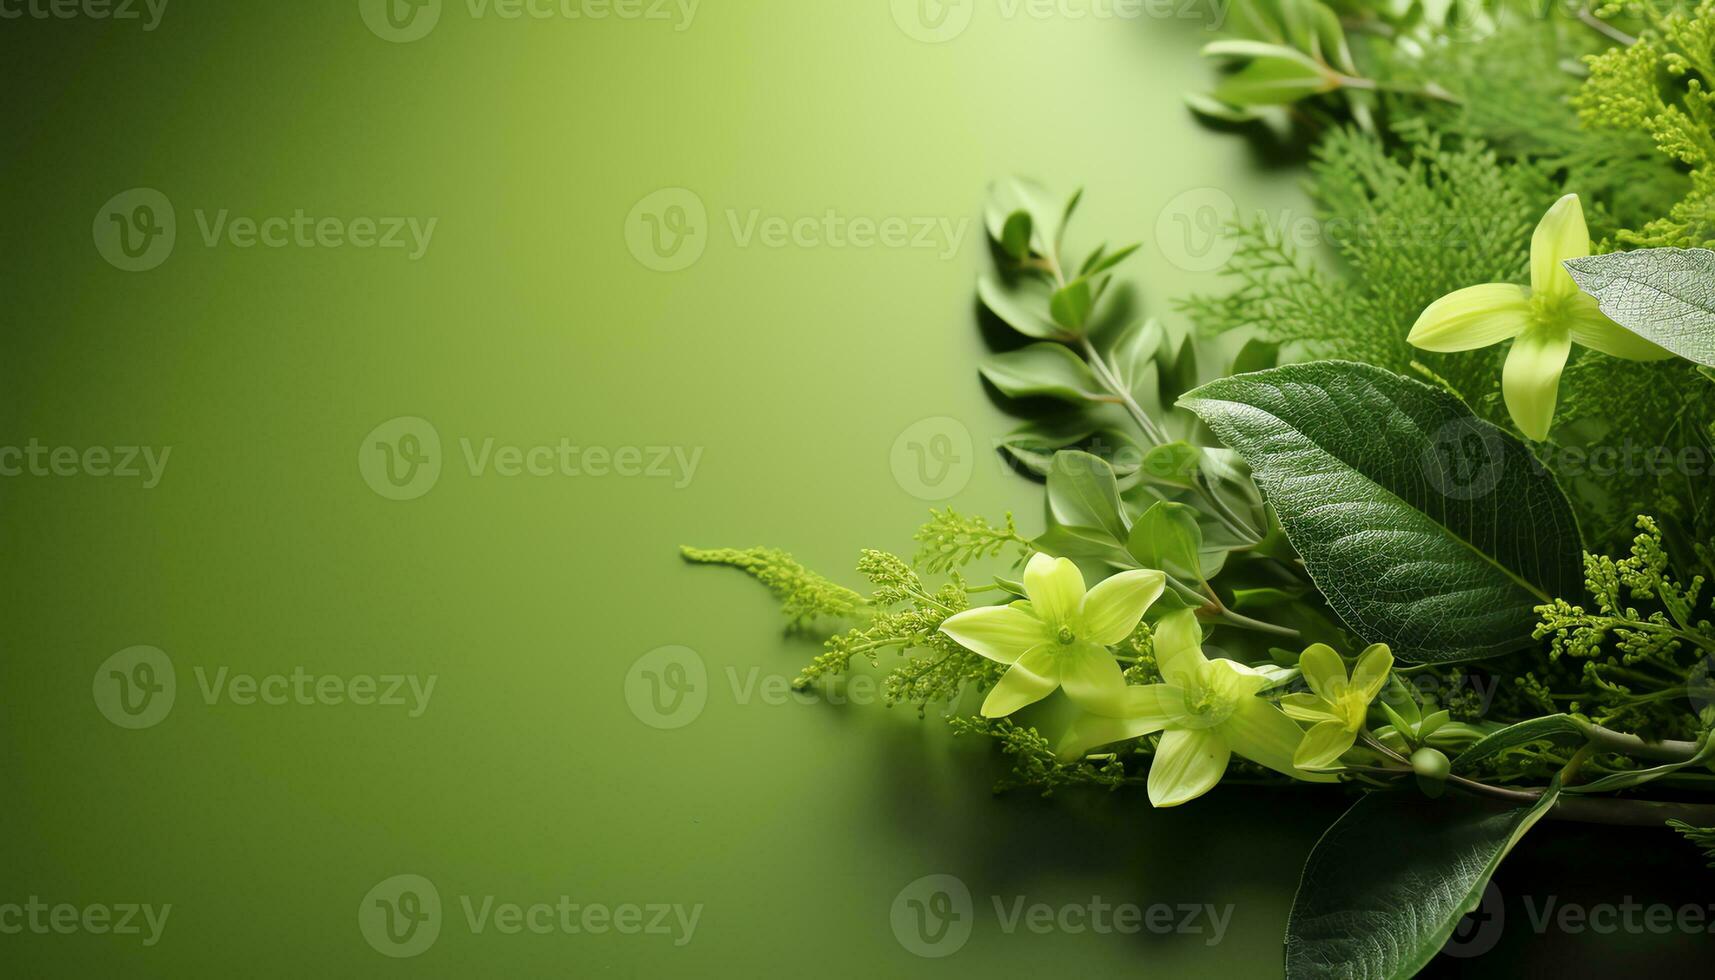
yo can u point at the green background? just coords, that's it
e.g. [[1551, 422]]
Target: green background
[[793, 370]]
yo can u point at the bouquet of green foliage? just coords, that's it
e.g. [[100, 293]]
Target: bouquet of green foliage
[[1352, 524]]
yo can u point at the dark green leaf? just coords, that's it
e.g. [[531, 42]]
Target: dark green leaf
[[1015, 236], [1425, 527], [1560, 728], [1387, 885]]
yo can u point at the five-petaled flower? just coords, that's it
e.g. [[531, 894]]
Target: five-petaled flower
[[1542, 321], [1337, 703], [1059, 638], [1207, 710]]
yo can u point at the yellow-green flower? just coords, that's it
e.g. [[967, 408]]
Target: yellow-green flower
[[1337, 704], [1207, 710], [1542, 321], [1059, 638]]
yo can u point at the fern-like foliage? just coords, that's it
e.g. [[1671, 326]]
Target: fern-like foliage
[[1660, 87], [803, 594], [1702, 837]]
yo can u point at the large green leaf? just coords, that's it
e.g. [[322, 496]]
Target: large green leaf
[[1427, 528], [1664, 295], [1388, 883]]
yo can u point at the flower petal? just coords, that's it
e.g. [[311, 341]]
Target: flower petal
[[1323, 746], [1323, 670], [1370, 675], [1188, 763], [1263, 734], [1021, 685], [1474, 317], [1000, 633], [1560, 235], [1307, 707], [1092, 679], [1113, 608], [1145, 710], [1531, 378], [1592, 328], [1055, 587], [1179, 649]]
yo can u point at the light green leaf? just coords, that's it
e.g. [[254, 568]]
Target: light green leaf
[[1276, 75], [1082, 492], [1021, 305], [1173, 463], [1664, 295], [1100, 262], [1425, 527], [1015, 236], [1046, 370], [1168, 537], [1071, 305], [1388, 883], [1559, 728]]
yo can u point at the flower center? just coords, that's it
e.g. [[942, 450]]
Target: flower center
[[1066, 636], [1210, 707]]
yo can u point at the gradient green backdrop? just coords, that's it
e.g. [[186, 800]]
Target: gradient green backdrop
[[793, 370]]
